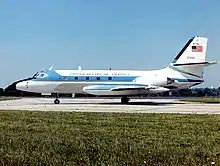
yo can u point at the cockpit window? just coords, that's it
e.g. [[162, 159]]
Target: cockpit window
[[35, 75], [39, 75]]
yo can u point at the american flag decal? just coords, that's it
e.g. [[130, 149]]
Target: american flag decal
[[197, 48]]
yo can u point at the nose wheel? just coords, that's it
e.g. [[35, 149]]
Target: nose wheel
[[56, 101]]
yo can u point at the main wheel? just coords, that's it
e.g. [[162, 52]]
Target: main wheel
[[56, 101], [125, 100]]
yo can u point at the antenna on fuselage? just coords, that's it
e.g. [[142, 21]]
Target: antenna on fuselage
[[51, 67], [79, 68]]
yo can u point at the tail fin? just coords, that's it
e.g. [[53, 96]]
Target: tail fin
[[191, 60], [194, 51]]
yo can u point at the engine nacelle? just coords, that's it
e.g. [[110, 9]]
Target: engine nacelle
[[157, 80]]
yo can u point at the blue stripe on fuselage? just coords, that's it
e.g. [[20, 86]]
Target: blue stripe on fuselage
[[91, 78], [104, 79]]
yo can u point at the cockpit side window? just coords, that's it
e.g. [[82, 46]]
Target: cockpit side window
[[39, 75]]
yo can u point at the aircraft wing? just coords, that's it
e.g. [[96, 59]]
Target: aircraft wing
[[152, 89], [128, 87], [132, 87], [107, 89]]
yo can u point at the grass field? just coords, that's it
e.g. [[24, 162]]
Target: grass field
[[203, 99], [55, 138]]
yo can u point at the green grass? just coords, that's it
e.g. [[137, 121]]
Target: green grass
[[203, 100], [57, 138], [3, 98]]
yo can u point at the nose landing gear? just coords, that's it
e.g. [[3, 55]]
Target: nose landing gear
[[56, 101]]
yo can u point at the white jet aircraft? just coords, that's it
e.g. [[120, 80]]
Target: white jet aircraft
[[184, 71]]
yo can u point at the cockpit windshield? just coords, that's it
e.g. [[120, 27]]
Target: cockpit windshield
[[35, 75], [39, 75]]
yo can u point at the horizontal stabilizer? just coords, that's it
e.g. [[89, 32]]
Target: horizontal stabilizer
[[198, 63], [193, 69]]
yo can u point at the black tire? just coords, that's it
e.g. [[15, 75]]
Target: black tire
[[124, 100], [56, 101]]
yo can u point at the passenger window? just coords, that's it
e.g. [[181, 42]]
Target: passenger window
[[87, 78], [109, 78], [76, 78], [98, 78]]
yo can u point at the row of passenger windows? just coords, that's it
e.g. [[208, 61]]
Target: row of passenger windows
[[88, 78], [97, 78]]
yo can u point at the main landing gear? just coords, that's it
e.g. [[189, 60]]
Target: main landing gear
[[56, 101], [125, 100]]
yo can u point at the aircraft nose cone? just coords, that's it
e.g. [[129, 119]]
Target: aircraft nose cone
[[22, 86]]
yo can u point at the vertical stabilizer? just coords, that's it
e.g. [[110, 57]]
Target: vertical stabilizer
[[194, 51], [191, 60]]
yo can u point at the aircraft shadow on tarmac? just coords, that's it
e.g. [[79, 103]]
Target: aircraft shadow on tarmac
[[118, 103], [142, 103]]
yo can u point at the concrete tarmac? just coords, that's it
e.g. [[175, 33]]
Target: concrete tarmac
[[110, 105]]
